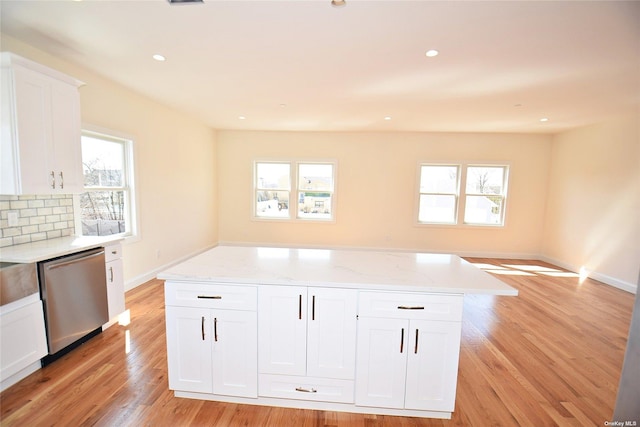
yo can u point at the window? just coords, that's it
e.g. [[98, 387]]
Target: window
[[273, 187], [315, 190], [485, 195], [485, 189], [107, 205], [438, 194], [313, 195]]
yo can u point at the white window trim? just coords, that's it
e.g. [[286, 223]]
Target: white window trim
[[294, 191], [456, 194], [505, 192], [130, 156], [461, 196]]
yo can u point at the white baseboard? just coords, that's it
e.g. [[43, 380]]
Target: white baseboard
[[607, 280], [144, 278]]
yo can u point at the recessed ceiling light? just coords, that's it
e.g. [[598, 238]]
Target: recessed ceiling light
[[544, 119], [159, 57], [338, 3], [387, 118], [241, 117], [431, 53]]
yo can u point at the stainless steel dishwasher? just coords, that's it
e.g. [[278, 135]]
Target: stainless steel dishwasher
[[73, 289]]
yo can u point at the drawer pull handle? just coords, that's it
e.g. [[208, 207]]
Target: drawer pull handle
[[306, 390], [415, 351], [402, 341], [215, 330], [313, 308], [53, 180], [61, 180], [300, 307], [410, 307], [202, 326], [111, 274], [209, 297]]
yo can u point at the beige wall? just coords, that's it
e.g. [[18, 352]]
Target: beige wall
[[377, 189], [175, 167], [573, 197], [593, 206]]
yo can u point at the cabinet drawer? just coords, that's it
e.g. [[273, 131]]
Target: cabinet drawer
[[306, 388], [410, 306], [211, 295], [112, 252]]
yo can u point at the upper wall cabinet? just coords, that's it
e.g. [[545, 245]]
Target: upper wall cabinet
[[40, 118]]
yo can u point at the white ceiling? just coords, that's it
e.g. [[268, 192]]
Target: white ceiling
[[305, 65]]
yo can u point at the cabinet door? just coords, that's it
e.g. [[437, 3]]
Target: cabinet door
[[66, 138], [32, 135], [381, 362], [189, 341], [115, 287], [22, 338], [235, 353], [432, 365], [331, 339], [282, 317]]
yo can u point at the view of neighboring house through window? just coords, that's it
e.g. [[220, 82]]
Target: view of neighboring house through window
[[438, 194], [315, 190], [106, 206], [312, 196], [485, 190], [485, 195]]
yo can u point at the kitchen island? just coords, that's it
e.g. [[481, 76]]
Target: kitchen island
[[345, 330]]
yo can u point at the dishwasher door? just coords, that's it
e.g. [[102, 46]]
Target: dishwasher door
[[74, 294]]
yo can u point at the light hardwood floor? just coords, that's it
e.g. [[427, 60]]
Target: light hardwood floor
[[551, 356]]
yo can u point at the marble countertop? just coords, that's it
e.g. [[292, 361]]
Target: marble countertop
[[375, 270], [52, 248]]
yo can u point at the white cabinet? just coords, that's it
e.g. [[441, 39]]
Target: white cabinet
[[408, 349], [307, 342], [115, 280], [40, 115], [212, 338], [22, 336]]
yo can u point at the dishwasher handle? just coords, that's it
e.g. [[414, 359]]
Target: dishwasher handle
[[80, 257]]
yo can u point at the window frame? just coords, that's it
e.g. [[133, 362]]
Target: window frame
[[257, 189], [129, 188], [294, 190], [461, 208], [455, 194], [502, 195]]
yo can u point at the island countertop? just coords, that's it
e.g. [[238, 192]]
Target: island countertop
[[344, 268]]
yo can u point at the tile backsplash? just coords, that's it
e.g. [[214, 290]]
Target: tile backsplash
[[39, 217]]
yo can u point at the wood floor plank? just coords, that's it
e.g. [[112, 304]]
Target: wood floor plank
[[550, 357]]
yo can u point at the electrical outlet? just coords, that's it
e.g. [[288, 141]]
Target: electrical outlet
[[12, 219]]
